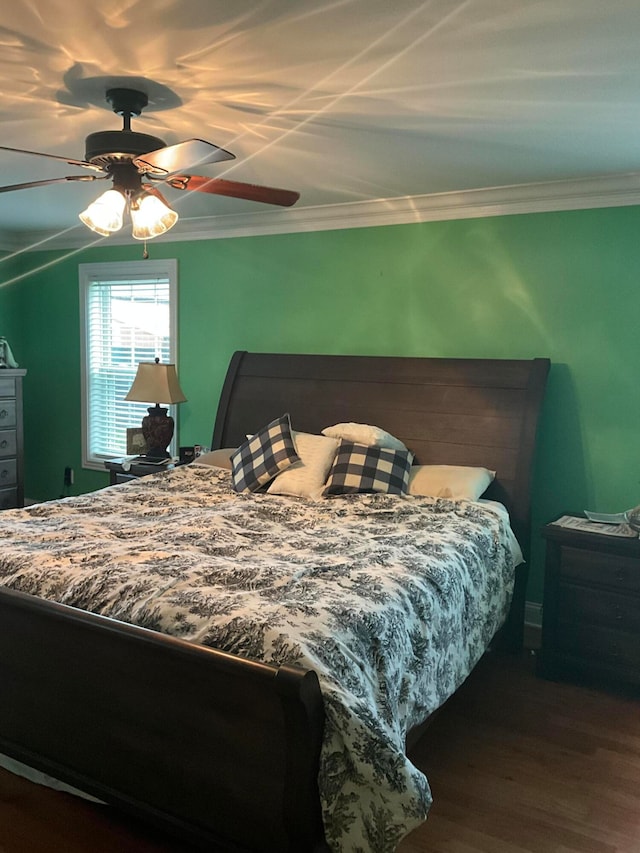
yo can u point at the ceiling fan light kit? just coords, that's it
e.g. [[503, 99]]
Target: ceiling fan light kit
[[150, 217], [104, 215], [128, 157]]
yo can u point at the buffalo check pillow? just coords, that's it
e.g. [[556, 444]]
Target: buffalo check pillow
[[268, 452], [368, 468]]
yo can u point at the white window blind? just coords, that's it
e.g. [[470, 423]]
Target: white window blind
[[128, 318]]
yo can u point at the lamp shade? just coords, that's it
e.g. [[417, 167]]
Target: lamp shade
[[156, 383]]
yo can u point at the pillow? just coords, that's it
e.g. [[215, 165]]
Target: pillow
[[264, 455], [364, 434], [306, 479], [366, 468], [455, 482], [221, 458]]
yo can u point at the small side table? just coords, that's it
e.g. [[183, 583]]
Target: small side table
[[591, 610], [137, 469]]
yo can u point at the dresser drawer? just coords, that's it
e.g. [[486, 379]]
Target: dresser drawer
[[7, 413], [8, 472], [7, 387], [598, 645], [599, 607], [8, 498], [617, 572], [8, 442]]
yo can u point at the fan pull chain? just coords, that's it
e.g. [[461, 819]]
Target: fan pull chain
[[145, 253]]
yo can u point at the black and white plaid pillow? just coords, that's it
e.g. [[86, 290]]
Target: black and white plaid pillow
[[368, 468], [256, 462]]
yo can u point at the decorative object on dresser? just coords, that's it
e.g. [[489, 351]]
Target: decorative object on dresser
[[591, 613], [6, 356], [11, 448], [159, 383]]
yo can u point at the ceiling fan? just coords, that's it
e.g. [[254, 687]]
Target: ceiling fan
[[137, 163]]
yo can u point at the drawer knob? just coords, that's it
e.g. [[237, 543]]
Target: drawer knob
[[4, 473], [617, 613], [4, 413], [621, 575], [3, 443]]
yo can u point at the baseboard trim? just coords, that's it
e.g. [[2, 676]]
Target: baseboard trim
[[532, 625]]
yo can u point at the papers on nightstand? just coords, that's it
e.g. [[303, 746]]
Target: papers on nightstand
[[590, 525]]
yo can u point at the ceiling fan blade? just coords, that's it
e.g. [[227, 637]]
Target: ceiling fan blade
[[69, 160], [234, 189], [182, 155], [30, 184]]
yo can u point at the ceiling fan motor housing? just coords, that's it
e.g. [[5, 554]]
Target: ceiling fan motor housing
[[112, 146]]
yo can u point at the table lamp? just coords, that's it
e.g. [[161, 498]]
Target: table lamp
[[159, 383]]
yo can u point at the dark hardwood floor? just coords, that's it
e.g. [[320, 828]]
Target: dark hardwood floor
[[516, 765], [521, 765]]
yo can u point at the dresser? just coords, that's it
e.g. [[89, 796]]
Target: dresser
[[591, 610], [11, 447]]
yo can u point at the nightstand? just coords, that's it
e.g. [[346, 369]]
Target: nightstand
[[591, 610], [137, 469]]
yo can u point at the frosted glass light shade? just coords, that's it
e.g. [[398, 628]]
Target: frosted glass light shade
[[151, 217], [104, 215]]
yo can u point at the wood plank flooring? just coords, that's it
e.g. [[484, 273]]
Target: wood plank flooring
[[516, 765], [521, 765]]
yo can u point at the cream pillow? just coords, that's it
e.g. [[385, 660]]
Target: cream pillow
[[364, 434], [306, 479], [456, 482], [221, 458]]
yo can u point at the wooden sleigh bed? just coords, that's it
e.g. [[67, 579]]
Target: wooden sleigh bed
[[80, 690]]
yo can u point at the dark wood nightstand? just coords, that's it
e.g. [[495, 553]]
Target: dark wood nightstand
[[591, 611], [137, 469]]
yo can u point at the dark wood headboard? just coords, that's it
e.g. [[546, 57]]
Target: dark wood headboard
[[447, 411]]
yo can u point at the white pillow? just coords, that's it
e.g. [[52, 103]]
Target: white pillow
[[221, 458], [456, 482], [306, 479], [364, 434]]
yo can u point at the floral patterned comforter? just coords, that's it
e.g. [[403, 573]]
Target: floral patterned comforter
[[392, 600]]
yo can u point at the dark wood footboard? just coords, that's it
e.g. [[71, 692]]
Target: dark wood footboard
[[218, 750]]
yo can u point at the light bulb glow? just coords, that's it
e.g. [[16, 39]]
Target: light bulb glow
[[104, 215], [151, 217]]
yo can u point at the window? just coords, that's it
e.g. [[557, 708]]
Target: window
[[128, 315]]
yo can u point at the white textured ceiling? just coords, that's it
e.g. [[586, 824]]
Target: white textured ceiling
[[348, 100]]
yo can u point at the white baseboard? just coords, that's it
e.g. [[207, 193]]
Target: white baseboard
[[533, 614], [532, 624]]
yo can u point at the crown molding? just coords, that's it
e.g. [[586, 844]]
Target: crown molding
[[543, 197]]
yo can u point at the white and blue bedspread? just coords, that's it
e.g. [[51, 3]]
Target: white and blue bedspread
[[391, 600]]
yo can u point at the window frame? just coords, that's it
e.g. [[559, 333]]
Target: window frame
[[128, 272]]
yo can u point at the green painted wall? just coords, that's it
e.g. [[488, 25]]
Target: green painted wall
[[10, 315], [562, 285]]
